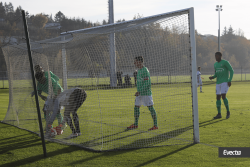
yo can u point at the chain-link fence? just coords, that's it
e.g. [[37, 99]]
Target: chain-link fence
[[240, 74]]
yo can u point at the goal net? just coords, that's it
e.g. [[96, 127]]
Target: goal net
[[100, 60]]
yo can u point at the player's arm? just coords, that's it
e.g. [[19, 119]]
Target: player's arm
[[230, 68], [57, 87], [40, 95], [52, 75], [214, 76], [39, 92]]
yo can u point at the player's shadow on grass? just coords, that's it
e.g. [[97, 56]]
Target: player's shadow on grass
[[32, 159], [9, 138], [19, 143], [164, 156], [151, 141], [97, 141], [148, 141]]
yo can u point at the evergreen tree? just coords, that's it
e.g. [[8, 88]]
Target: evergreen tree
[[2, 11], [59, 16]]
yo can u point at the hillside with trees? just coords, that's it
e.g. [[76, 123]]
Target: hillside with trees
[[234, 46]]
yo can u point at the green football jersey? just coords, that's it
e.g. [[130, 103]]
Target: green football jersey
[[143, 86], [54, 80], [222, 70]]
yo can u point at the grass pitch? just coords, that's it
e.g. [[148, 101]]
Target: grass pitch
[[22, 148]]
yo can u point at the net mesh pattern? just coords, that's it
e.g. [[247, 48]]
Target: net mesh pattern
[[108, 110]]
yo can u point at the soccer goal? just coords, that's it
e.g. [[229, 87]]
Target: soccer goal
[[100, 60]]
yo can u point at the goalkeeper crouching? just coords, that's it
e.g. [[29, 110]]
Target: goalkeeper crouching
[[143, 94], [72, 100]]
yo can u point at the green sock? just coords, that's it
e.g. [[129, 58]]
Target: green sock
[[153, 114], [59, 118], [218, 105], [226, 104], [46, 120], [136, 115]]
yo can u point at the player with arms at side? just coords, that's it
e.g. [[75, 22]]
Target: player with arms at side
[[222, 69], [143, 94], [199, 81]]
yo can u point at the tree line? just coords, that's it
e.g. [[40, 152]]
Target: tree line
[[234, 46]]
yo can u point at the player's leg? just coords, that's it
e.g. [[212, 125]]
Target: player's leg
[[148, 101], [154, 116], [59, 117], [225, 100], [76, 122], [136, 116], [224, 90], [200, 86], [68, 118], [138, 101], [79, 97], [218, 102]]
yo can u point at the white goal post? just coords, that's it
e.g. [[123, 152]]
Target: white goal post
[[82, 58]]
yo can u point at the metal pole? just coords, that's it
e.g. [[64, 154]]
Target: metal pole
[[113, 82], [218, 8], [65, 76], [194, 78], [219, 33], [34, 83]]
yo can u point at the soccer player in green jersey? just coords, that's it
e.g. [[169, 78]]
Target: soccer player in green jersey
[[143, 94], [42, 86], [222, 69]]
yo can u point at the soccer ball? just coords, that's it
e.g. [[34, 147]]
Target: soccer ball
[[58, 130]]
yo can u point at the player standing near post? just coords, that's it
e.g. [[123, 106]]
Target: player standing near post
[[199, 81], [222, 67], [143, 94]]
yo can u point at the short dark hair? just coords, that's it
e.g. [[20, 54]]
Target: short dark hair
[[218, 53], [199, 67], [139, 58], [39, 75]]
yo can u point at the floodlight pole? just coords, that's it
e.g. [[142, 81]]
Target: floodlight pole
[[34, 83], [113, 79], [219, 8]]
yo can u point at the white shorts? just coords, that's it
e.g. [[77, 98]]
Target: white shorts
[[222, 88], [144, 100], [199, 83]]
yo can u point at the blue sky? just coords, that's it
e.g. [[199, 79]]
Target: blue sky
[[235, 13]]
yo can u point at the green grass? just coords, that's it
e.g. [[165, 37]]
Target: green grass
[[22, 148]]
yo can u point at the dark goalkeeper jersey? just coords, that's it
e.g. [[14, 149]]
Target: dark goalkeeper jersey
[[222, 70]]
